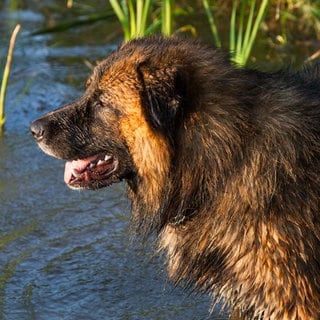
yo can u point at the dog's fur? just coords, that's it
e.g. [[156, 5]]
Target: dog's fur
[[223, 164]]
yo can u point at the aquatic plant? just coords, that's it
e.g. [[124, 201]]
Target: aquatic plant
[[133, 16], [241, 36], [244, 19], [212, 23], [167, 17], [241, 42], [6, 74]]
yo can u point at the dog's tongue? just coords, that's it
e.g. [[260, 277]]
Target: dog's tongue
[[72, 168]]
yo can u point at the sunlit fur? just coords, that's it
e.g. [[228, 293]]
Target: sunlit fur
[[239, 168], [222, 164]]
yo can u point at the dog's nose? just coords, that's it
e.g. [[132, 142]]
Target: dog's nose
[[37, 128]]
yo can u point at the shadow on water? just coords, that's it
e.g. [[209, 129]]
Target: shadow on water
[[65, 254]]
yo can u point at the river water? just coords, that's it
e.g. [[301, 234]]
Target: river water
[[66, 254]]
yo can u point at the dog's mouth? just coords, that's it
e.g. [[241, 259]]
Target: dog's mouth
[[91, 173]]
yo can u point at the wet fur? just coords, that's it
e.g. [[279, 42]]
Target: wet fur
[[223, 164]]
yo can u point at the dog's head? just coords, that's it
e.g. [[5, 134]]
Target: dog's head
[[123, 126]]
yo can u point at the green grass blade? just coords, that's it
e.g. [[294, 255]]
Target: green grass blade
[[253, 34], [249, 30], [232, 44], [139, 22], [6, 74], [118, 10], [132, 17], [153, 27], [240, 44], [145, 14], [213, 26], [166, 13], [122, 17]]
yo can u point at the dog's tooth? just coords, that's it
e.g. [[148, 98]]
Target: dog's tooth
[[100, 162], [75, 173], [91, 165], [107, 157]]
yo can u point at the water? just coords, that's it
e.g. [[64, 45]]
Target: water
[[66, 254]]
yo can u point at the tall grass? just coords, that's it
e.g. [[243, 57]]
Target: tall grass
[[167, 17], [6, 74], [134, 17], [243, 17], [213, 26], [243, 37], [244, 26]]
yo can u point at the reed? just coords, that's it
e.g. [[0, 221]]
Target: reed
[[241, 35], [213, 26], [6, 74], [167, 17], [134, 17]]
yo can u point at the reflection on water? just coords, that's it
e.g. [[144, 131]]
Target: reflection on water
[[67, 254]]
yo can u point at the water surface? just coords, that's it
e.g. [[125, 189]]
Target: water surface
[[66, 254]]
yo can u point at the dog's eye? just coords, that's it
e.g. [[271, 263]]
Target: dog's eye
[[108, 106], [104, 103]]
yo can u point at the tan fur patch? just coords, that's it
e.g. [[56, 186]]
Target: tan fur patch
[[149, 151]]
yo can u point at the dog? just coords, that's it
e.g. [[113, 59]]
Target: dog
[[222, 164]]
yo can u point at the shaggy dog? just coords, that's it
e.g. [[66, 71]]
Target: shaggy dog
[[223, 164]]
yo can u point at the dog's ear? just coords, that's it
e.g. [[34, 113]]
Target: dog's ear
[[162, 95]]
